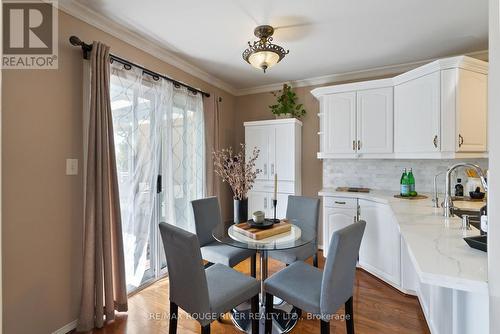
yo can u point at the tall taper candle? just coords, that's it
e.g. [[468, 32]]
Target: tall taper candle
[[275, 186]]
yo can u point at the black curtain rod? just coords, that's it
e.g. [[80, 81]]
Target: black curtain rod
[[86, 48]]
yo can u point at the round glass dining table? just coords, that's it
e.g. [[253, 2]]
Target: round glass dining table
[[285, 316]]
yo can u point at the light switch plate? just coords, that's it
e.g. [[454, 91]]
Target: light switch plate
[[71, 166]]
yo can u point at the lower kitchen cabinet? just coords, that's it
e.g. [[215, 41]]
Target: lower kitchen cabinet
[[380, 251], [337, 214]]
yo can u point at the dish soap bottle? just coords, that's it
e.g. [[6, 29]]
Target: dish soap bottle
[[459, 188], [411, 183], [405, 186]]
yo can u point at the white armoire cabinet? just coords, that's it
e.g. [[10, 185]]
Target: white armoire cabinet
[[279, 142]]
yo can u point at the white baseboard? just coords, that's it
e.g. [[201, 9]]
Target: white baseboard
[[66, 328]]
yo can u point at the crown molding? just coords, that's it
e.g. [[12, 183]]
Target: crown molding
[[146, 44], [350, 76]]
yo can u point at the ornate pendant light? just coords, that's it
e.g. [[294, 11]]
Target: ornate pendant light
[[263, 54]]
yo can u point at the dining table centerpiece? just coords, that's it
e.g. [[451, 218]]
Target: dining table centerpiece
[[240, 173]]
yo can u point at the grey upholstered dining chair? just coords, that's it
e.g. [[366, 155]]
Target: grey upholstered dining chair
[[304, 211], [207, 217], [205, 294], [321, 292]]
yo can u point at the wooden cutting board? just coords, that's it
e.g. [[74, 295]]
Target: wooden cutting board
[[353, 189], [258, 234], [411, 197]]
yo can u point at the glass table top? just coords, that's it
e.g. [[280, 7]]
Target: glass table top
[[298, 236]]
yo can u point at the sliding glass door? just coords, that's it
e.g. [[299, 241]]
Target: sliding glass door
[[159, 155]]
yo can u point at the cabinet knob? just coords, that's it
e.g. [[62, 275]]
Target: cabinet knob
[[354, 145], [359, 145], [460, 140]]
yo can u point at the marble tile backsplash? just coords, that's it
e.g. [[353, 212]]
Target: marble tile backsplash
[[386, 174]]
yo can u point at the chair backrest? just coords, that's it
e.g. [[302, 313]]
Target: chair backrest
[[206, 218], [305, 210], [340, 267], [187, 280]]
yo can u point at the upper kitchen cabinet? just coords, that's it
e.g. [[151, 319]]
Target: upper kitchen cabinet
[[436, 111], [356, 120], [441, 110]]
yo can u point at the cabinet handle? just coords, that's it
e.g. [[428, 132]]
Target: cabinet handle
[[355, 219], [338, 202], [272, 169], [265, 169], [359, 145], [354, 145], [435, 141], [460, 140], [265, 203]]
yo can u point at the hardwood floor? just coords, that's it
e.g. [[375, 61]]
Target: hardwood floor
[[378, 308]]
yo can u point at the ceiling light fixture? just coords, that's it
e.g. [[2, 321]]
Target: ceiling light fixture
[[263, 54]]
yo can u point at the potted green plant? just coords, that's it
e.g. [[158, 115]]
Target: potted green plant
[[286, 104]]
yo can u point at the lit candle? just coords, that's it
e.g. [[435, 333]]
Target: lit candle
[[275, 186]]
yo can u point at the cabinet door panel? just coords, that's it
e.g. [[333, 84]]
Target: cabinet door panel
[[375, 120], [417, 115], [257, 201], [258, 136], [472, 111], [340, 123], [380, 251], [335, 219], [284, 162]]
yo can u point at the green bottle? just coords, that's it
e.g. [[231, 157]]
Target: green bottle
[[411, 182], [405, 186]]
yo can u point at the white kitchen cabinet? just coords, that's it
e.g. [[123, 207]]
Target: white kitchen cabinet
[[417, 115], [380, 251], [279, 142], [409, 277], [358, 122], [472, 111], [375, 120], [337, 213], [339, 132], [436, 111]]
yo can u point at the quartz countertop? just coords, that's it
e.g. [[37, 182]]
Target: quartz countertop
[[435, 244]]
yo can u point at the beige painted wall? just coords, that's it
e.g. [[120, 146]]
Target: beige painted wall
[[42, 221]]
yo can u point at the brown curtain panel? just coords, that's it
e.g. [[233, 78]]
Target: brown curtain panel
[[211, 115], [104, 287]]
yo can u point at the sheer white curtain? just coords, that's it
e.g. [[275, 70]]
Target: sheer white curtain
[[158, 130], [140, 107], [187, 157]]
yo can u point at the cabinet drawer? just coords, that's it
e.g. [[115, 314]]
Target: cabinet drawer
[[340, 202]]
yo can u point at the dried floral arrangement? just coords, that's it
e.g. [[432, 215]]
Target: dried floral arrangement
[[239, 173]]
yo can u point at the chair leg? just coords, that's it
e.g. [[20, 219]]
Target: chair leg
[[349, 316], [205, 329], [315, 259], [269, 314], [253, 266], [174, 312], [325, 327], [255, 314]]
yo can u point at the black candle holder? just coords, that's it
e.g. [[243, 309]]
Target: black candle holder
[[275, 203]]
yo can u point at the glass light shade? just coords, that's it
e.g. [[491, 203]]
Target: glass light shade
[[263, 59]]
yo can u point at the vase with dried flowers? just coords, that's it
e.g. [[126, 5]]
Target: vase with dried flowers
[[240, 174]]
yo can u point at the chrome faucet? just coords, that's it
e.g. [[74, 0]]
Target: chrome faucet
[[436, 197], [448, 202]]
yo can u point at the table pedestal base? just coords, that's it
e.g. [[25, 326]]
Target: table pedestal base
[[285, 317]]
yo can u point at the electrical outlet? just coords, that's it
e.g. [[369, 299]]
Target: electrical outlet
[[71, 166]]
